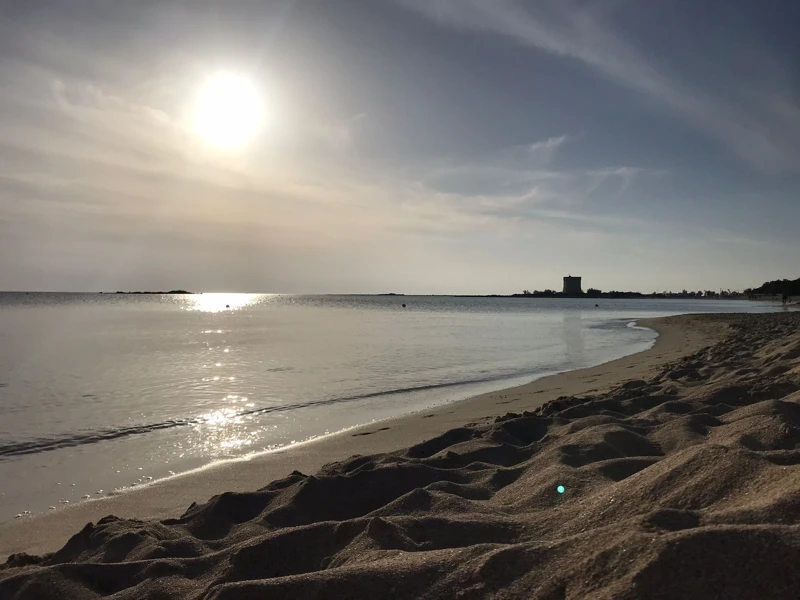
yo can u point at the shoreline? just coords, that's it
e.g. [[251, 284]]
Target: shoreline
[[677, 337]]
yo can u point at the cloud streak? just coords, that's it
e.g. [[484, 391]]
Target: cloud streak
[[762, 131]]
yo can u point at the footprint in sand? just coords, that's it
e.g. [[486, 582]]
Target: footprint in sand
[[371, 432]]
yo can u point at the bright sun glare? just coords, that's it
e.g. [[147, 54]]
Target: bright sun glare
[[229, 111]]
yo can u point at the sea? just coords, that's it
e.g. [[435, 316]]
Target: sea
[[100, 393]]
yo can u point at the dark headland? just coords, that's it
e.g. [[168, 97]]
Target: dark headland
[[169, 292]]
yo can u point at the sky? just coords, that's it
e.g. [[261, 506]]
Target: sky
[[409, 146]]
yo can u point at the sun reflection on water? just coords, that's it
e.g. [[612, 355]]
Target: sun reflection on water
[[229, 428], [222, 431], [220, 417], [214, 303]]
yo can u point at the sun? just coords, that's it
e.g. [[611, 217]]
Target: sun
[[229, 111]]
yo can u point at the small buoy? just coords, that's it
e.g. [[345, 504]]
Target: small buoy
[[597, 306], [227, 306], [404, 305], [561, 489]]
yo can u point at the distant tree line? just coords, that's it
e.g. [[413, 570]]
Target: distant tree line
[[590, 293], [776, 288], [595, 293]]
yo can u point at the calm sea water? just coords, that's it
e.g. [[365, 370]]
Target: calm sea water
[[102, 392]]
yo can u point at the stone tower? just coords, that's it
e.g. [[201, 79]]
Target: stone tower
[[572, 286]]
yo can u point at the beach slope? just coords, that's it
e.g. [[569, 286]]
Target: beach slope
[[683, 483]]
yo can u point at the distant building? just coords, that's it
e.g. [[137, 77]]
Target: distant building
[[572, 285]]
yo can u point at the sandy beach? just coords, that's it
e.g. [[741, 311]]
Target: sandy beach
[[666, 474]]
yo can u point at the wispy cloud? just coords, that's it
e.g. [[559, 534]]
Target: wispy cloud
[[514, 170], [625, 175], [522, 182], [549, 145], [762, 128]]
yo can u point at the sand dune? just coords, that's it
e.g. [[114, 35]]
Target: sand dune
[[684, 485]]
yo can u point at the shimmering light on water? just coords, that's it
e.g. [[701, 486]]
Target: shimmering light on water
[[213, 303], [224, 416]]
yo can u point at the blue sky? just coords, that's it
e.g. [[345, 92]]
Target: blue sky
[[418, 146]]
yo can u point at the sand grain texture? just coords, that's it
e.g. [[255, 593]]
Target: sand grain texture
[[682, 485]]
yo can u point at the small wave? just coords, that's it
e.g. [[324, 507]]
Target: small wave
[[48, 444]]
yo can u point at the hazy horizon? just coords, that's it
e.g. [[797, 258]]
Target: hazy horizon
[[401, 146], [167, 290]]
